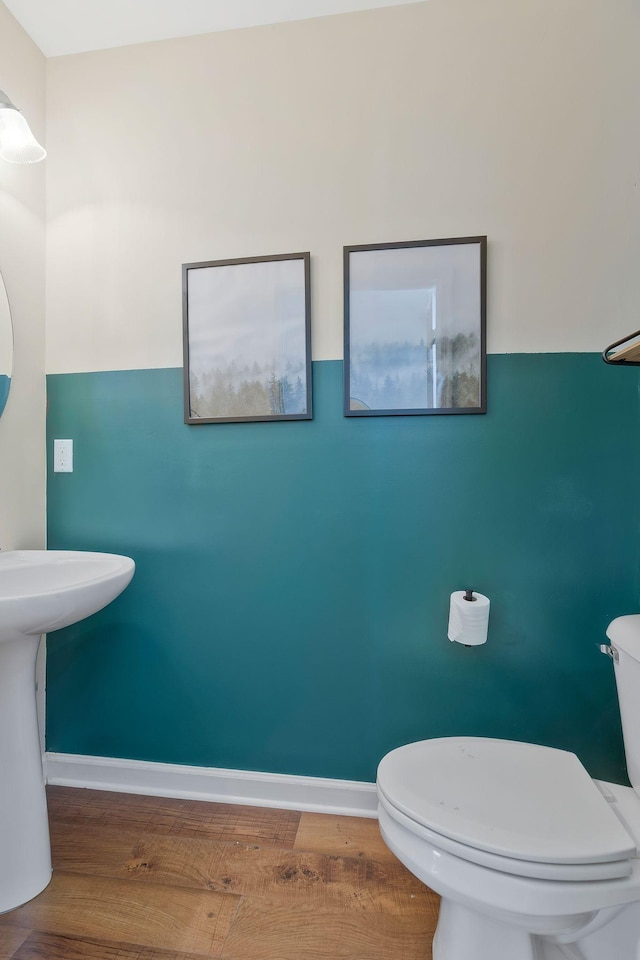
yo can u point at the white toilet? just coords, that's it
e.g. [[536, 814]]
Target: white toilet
[[533, 859]]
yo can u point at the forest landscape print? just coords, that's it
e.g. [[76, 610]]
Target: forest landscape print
[[247, 339], [415, 327]]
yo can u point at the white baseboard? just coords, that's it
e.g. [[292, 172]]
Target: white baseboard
[[351, 798]]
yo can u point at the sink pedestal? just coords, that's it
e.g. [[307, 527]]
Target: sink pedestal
[[25, 858], [40, 591]]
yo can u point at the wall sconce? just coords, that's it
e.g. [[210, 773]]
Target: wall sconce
[[17, 143]]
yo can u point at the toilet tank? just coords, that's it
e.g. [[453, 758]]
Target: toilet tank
[[624, 634]]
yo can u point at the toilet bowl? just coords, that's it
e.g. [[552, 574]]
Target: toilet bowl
[[532, 858]]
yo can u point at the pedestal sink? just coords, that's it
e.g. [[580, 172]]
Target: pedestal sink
[[40, 591]]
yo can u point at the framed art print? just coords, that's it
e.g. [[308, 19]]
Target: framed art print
[[247, 339], [415, 327]]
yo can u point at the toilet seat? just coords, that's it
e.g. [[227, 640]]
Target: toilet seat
[[608, 870], [516, 807]]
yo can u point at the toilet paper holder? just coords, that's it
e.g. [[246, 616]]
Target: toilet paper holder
[[468, 618]]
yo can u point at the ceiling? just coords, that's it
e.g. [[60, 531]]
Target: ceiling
[[61, 27]]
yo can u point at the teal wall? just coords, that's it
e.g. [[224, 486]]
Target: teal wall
[[290, 603], [5, 383]]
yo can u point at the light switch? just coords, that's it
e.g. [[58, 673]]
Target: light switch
[[63, 456]]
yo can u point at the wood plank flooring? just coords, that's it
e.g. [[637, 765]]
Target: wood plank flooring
[[147, 878]]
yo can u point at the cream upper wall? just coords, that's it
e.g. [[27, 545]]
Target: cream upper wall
[[22, 209], [438, 119]]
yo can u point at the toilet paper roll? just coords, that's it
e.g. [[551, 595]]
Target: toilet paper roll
[[468, 619]]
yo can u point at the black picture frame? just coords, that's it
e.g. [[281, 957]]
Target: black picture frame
[[247, 339], [415, 328]]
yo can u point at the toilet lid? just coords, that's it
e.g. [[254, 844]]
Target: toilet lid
[[513, 799]]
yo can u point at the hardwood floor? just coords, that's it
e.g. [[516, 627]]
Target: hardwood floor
[[147, 878]]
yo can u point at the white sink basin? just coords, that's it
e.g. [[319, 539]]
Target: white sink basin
[[40, 591], [44, 590]]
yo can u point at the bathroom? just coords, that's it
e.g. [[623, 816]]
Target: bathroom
[[288, 614]]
